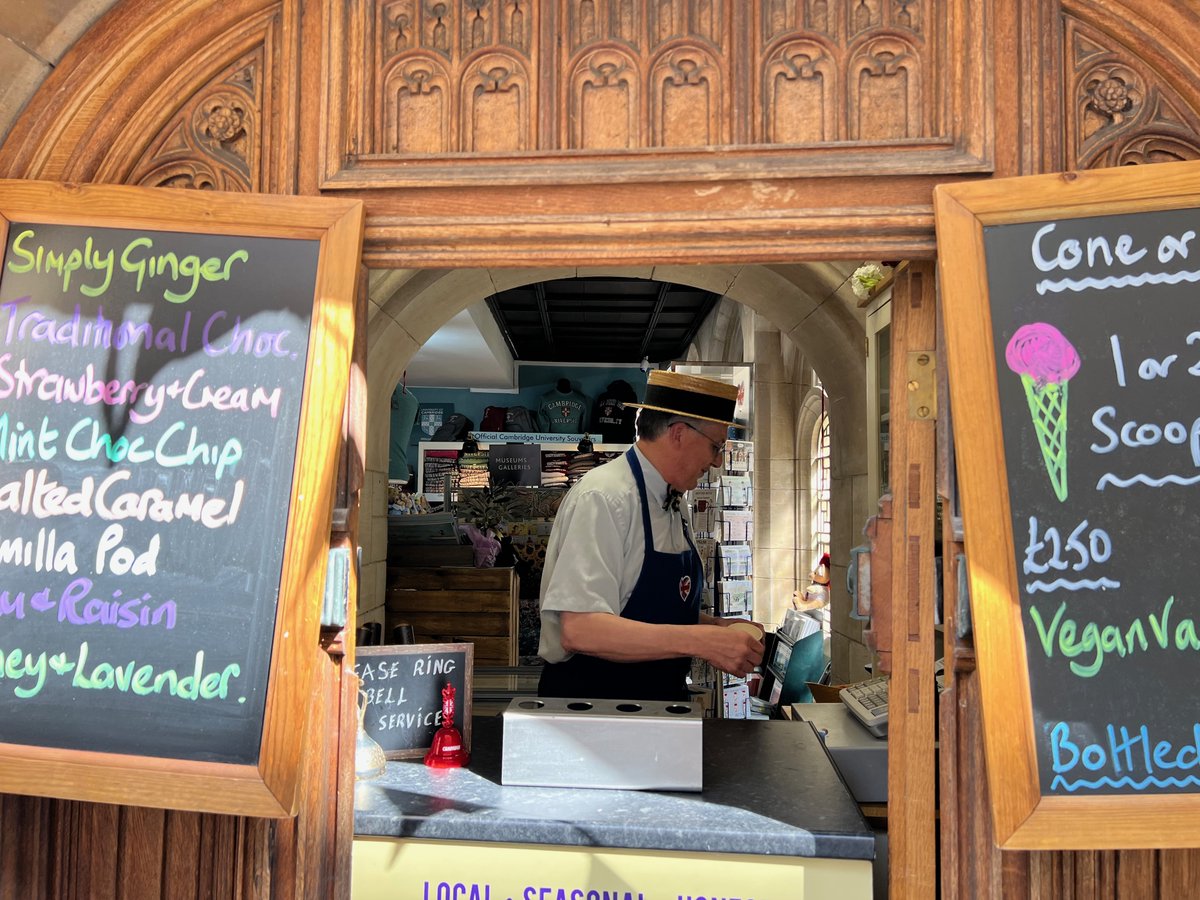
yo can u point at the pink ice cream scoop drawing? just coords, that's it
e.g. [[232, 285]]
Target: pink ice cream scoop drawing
[[1045, 360]]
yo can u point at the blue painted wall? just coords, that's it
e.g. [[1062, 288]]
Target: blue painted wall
[[533, 381]]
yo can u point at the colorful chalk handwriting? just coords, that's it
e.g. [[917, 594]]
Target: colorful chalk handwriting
[[1104, 557], [137, 257], [150, 384]]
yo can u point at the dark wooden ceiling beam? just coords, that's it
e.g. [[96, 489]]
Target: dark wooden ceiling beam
[[659, 303], [539, 290], [702, 313], [614, 319], [503, 324]]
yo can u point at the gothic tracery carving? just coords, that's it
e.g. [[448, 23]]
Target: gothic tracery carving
[[800, 90], [820, 71], [417, 106], [605, 99], [1122, 114], [885, 92], [212, 142], [496, 103], [687, 106]]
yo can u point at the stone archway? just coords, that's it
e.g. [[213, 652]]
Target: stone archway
[[809, 306]]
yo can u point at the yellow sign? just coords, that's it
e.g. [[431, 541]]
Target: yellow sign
[[390, 869]]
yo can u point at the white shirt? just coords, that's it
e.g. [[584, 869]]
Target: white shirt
[[597, 545]]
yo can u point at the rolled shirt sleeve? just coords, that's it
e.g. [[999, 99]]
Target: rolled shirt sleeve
[[597, 547]]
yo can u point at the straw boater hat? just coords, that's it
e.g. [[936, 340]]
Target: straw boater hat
[[690, 395]]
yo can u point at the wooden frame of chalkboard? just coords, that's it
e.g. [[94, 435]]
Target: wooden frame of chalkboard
[[403, 685], [1077, 518], [174, 366]]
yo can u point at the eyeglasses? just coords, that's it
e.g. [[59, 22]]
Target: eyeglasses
[[718, 450]]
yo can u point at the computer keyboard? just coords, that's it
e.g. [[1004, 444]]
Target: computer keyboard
[[868, 701]]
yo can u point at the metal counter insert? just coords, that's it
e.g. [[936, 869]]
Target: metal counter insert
[[623, 744]]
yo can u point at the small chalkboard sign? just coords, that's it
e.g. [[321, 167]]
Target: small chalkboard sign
[[1074, 358], [403, 685], [515, 464], [170, 364]]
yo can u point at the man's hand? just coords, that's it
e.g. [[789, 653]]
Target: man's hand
[[732, 650]]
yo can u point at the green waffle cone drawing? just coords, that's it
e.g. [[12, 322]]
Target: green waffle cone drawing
[[1048, 408], [1046, 361]]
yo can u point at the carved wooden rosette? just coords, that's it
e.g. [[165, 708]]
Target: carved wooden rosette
[[210, 122], [1122, 112], [212, 142]]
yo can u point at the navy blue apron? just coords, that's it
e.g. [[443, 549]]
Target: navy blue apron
[[667, 592]]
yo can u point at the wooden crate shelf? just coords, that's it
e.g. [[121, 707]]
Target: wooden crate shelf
[[458, 605]]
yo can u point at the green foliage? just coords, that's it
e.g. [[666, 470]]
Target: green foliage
[[488, 509]]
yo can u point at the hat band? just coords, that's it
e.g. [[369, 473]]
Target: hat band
[[689, 403]]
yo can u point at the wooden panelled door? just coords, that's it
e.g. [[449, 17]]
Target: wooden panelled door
[[526, 133], [912, 795]]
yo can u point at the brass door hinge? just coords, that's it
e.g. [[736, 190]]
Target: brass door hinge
[[922, 385]]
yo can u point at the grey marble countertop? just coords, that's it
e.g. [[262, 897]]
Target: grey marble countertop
[[769, 788]]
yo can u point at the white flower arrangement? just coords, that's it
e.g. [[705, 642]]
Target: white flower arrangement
[[865, 278]]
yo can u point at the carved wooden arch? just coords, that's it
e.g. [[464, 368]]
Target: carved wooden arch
[[416, 89], [604, 86], [686, 99], [151, 97], [1127, 104], [885, 73], [204, 93], [77, 128], [214, 139], [498, 110], [801, 78]]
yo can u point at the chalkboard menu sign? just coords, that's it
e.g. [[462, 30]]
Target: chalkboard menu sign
[[1074, 345], [156, 397], [404, 685]]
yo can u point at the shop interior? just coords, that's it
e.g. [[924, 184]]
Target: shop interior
[[808, 347]]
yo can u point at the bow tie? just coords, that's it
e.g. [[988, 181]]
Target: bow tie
[[672, 501]]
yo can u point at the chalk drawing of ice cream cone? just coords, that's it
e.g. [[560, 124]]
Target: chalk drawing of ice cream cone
[[1045, 360]]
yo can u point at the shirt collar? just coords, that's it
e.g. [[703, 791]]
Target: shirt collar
[[656, 485]]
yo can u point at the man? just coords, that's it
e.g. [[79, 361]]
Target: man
[[621, 587]]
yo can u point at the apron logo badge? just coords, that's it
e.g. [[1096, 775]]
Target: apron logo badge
[[685, 587]]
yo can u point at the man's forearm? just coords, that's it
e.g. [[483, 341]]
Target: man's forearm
[[621, 640]]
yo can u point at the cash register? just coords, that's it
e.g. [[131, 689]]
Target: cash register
[[859, 756], [855, 733], [868, 702], [795, 656]]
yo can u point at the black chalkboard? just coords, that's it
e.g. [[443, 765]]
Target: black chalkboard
[[1096, 331], [1072, 351], [403, 685], [151, 383], [515, 464]]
